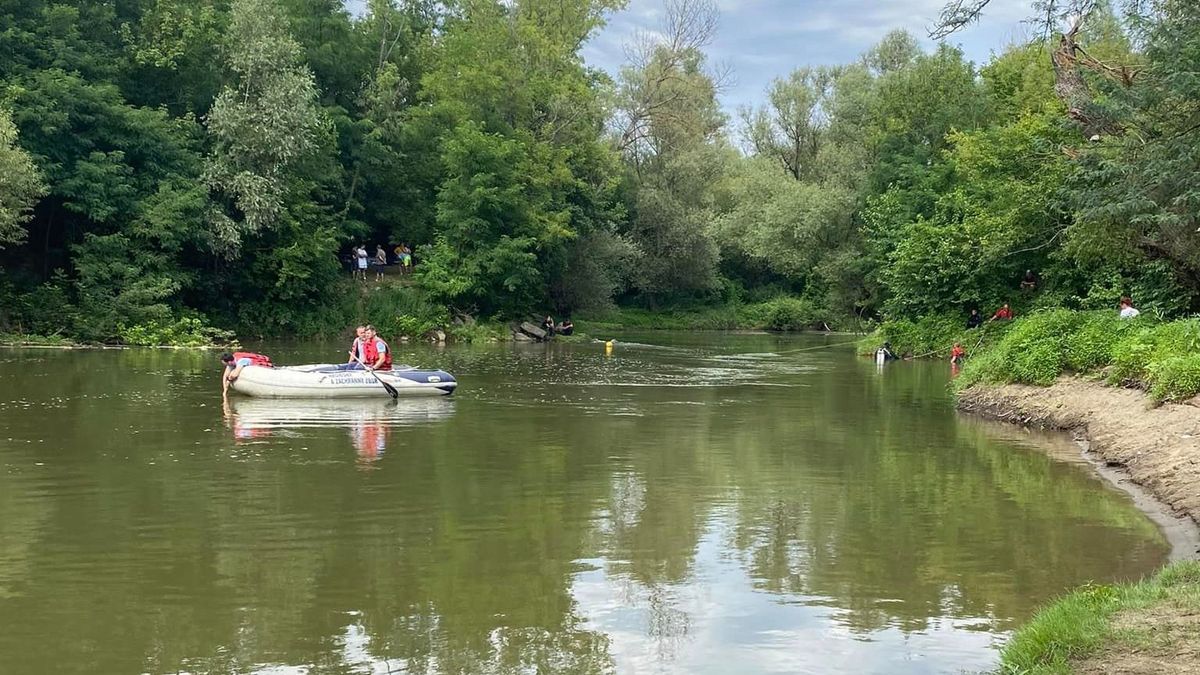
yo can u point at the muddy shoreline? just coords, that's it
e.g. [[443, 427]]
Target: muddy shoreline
[[1153, 453]]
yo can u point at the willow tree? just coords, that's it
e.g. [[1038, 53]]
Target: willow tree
[[262, 122], [670, 129], [20, 184]]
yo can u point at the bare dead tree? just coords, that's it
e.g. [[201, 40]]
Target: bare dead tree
[[955, 16], [1068, 58]]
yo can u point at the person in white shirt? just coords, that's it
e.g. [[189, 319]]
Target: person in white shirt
[[1128, 311]]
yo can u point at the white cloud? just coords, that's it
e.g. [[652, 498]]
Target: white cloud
[[765, 39]]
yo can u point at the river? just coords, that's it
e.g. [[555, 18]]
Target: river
[[693, 503]]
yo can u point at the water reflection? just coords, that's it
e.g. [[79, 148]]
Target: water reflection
[[547, 518], [370, 422]]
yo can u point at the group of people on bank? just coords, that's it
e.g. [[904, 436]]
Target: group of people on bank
[[974, 320], [361, 260]]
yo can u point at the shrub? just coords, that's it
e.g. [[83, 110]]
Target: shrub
[[1146, 343], [1175, 378], [402, 310], [786, 313], [188, 331], [1091, 345], [1032, 351], [1040, 363]]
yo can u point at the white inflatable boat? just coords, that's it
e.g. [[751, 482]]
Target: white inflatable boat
[[326, 380]]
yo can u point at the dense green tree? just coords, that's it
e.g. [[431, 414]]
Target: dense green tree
[[266, 120], [1137, 192], [20, 183]]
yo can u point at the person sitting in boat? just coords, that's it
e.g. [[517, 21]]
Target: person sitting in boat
[[376, 353], [566, 327], [235, 362], [357, 359]]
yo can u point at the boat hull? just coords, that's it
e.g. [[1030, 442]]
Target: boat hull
[[323, 381]]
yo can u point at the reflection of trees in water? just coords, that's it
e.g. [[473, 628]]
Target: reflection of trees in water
[[458, 554], [870, 499]]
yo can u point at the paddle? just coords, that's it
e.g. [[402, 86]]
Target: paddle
[[390, 389]]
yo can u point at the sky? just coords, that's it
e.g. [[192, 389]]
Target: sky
[[759, 40]]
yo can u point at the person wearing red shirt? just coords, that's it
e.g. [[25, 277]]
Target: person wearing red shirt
[[957, 354], [1003, 314]]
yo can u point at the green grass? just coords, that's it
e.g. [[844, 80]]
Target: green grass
[[1162, 358], [23, 339], [1080, 623], [933, 336], [783, 313]]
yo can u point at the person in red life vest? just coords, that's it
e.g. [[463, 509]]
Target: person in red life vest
[[235, 362], [1003, 314], [376, 353], [957, 354]]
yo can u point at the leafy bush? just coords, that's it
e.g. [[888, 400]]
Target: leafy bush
[[188, 331], [1032, 352], [786, 313], [931, 334], [1147, 342], [402, 310], [1175, 378], [1162, 357], [1091, 345]]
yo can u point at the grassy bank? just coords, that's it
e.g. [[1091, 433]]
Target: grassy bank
[[933, 335], [1119, 628], [783, 313], [1161, 357], [23, 340]]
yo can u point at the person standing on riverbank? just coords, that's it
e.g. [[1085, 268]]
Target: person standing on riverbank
[[380, 261], [1128, 311], [360, 258]]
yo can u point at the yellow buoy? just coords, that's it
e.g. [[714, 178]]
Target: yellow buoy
[[608, 348]]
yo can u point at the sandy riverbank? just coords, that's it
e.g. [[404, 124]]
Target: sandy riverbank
[[1143, 628], [1159, 447]]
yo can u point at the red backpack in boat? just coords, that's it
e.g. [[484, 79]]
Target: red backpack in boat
[[255, 359]]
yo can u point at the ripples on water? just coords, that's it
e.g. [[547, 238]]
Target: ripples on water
[[691, 503]]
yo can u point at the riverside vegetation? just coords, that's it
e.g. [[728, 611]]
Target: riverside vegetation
[[174, 169]]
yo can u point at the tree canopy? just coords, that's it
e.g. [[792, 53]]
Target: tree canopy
[[210, 160]]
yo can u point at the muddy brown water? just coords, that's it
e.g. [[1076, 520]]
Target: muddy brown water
[[694, 503]]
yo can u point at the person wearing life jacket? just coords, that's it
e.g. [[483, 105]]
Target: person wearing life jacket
[[376, 353], [957, 354], [357, 357], [235, 362]]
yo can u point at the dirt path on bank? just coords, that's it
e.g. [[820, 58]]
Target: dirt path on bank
[[1158, 447]]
